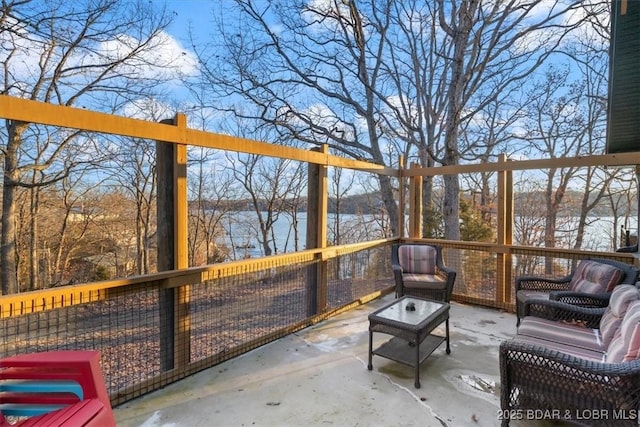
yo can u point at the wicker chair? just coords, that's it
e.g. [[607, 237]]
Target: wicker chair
[[590, 284], [419, 270], [560, 386], [583, 371]]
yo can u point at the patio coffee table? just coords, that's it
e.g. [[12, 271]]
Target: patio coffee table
[[412, 340]]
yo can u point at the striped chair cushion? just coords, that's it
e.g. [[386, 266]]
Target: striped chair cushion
[[423, 281], [579, 352], [625, 345], [562, 332], [621, 297], [595, 277], [633, 347], [419, 259]]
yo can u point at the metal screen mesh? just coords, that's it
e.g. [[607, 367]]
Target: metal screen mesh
[[354, 275], [153, 334], [234, 311]]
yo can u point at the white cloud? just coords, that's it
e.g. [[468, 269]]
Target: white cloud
[[167, 60], [595, 15], [592, 15], [318, 9], [22, 54], [17, 53]]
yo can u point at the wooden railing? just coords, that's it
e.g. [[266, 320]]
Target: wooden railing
[[219, 311], [229, 309], [232, 307]]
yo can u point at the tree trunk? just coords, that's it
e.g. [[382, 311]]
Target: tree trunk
[[139, 233], [389, 203], [33, 240], [552, 202], [451, 209], [8, 246], [146, 268], [460, 37], [58, 265]]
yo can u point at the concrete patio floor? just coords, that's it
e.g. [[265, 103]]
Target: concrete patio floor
[[319, 377]]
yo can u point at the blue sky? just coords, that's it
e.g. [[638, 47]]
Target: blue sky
[[194, 13]]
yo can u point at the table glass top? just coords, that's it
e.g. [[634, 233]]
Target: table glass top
[[399, 313]]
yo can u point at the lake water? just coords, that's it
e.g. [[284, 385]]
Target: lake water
[[242, 232]]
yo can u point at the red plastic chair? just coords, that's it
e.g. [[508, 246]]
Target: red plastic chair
[[55, 388]]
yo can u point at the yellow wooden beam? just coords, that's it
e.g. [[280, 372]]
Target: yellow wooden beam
[[618, 159], [76, 118]]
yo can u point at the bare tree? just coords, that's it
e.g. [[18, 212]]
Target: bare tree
[[361, 74], [76, 204], [338, 190], [490, 132], [589, 52], [114, 232], [315, 77], [136, 173], [93, 53], [48, 156], [455, 60], [621, 199], [211, 190], [294, 204], [269, 184], [529, 222], [566, 119]]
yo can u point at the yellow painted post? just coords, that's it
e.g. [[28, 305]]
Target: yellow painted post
[[401, 196], [181, 248], [180, 199], [317, 212], [412, 201], [505, 233], [417, 232], [415, 205], [508, 233], [172, 248], [322, 224]]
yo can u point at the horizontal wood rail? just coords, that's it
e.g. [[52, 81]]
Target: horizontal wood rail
[[76, 118], [66, 296], [619, 159], [629, 258], [215, 312]]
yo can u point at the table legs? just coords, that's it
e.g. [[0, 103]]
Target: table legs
[[414, 344], [447, 327], [417, 381], [370, 365]]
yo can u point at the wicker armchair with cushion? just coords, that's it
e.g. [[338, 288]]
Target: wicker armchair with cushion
[[589, 285], [419, 270], [561, 370]]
